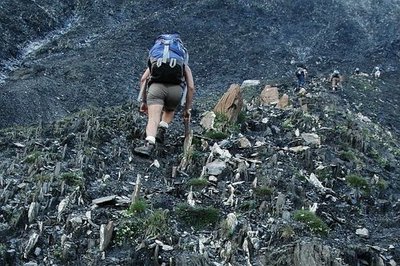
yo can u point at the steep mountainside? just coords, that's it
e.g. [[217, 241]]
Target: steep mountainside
[[312, 183], [315, 183], [76, 54]]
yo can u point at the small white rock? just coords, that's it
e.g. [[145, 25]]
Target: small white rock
[[363, 232], [212, 178]]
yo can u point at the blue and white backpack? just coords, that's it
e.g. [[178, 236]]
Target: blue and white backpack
[[167, 58]]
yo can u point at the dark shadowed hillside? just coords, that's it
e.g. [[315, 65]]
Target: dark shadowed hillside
[[81, 53], [308, 178]]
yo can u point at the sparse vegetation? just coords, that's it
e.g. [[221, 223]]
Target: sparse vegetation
[[216, 134], [197, 216], [222, 124], [248, 205], [60, 181], [287, 124], [33, 157], [382, 184], [156, 223], [314, 223], [139, 206], [135, 227], [357, 181], [242, 117], [198, 183], [129, 228], [262, 192], [3, 249], [361, 83], [347, 156], [72, 179]]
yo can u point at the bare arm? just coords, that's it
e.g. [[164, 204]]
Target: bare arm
[[190, 89], [145, 76], [143, 90]]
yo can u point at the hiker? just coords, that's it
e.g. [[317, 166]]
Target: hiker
[[357, 72], [376, 72], [335, 80], [166, 77], [301, 74]]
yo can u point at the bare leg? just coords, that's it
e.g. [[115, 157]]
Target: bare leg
[[167, 116], [154, 112]]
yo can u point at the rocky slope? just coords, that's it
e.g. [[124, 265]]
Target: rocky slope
[[315, 183], [75, 54]]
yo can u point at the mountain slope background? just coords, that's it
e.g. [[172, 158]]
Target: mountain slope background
[[58, 57], [70, 69]]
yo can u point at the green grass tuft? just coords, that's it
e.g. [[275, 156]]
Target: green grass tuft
[[347, 156], [72, 179], [248, 205], [216, 135], [138, 206], [198, 183], [198, 217], [263, 191], [33, 157], [357, 181], [315, 223], [133, 228], [156, 223]]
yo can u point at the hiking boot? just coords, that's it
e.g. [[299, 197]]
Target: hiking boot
[[146, 149], [160, 134]]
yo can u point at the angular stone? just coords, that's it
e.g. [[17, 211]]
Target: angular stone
[[231, 222], [33, 211], [30, 264], [363, 232], [315, 254], [283, 101], [106, 232], [215, 167], [33, 239], [302, 91], [103, 200], [298, 148], [231, 103], [207, 120], [270, 95], [250, 82], [19, 145], [212, 178], [311, 138], [244, 143]]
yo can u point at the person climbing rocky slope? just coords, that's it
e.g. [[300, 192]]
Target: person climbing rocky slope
[[75, 54], [301, 178]]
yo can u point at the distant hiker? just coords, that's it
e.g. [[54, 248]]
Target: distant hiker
[[166, 77], [335, 80], [301, 75], [357, 72], [376, 72]]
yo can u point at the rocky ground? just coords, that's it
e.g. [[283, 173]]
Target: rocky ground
[[77, 54], [315, 183]]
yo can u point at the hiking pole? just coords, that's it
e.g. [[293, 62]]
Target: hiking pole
[[187, 143]]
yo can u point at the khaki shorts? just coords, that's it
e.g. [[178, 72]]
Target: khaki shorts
[[168, 95]]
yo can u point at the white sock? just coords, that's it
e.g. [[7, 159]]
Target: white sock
[[151, 139], [163, 124]]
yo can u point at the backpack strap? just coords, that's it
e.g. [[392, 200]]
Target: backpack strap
[[166, 50]]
